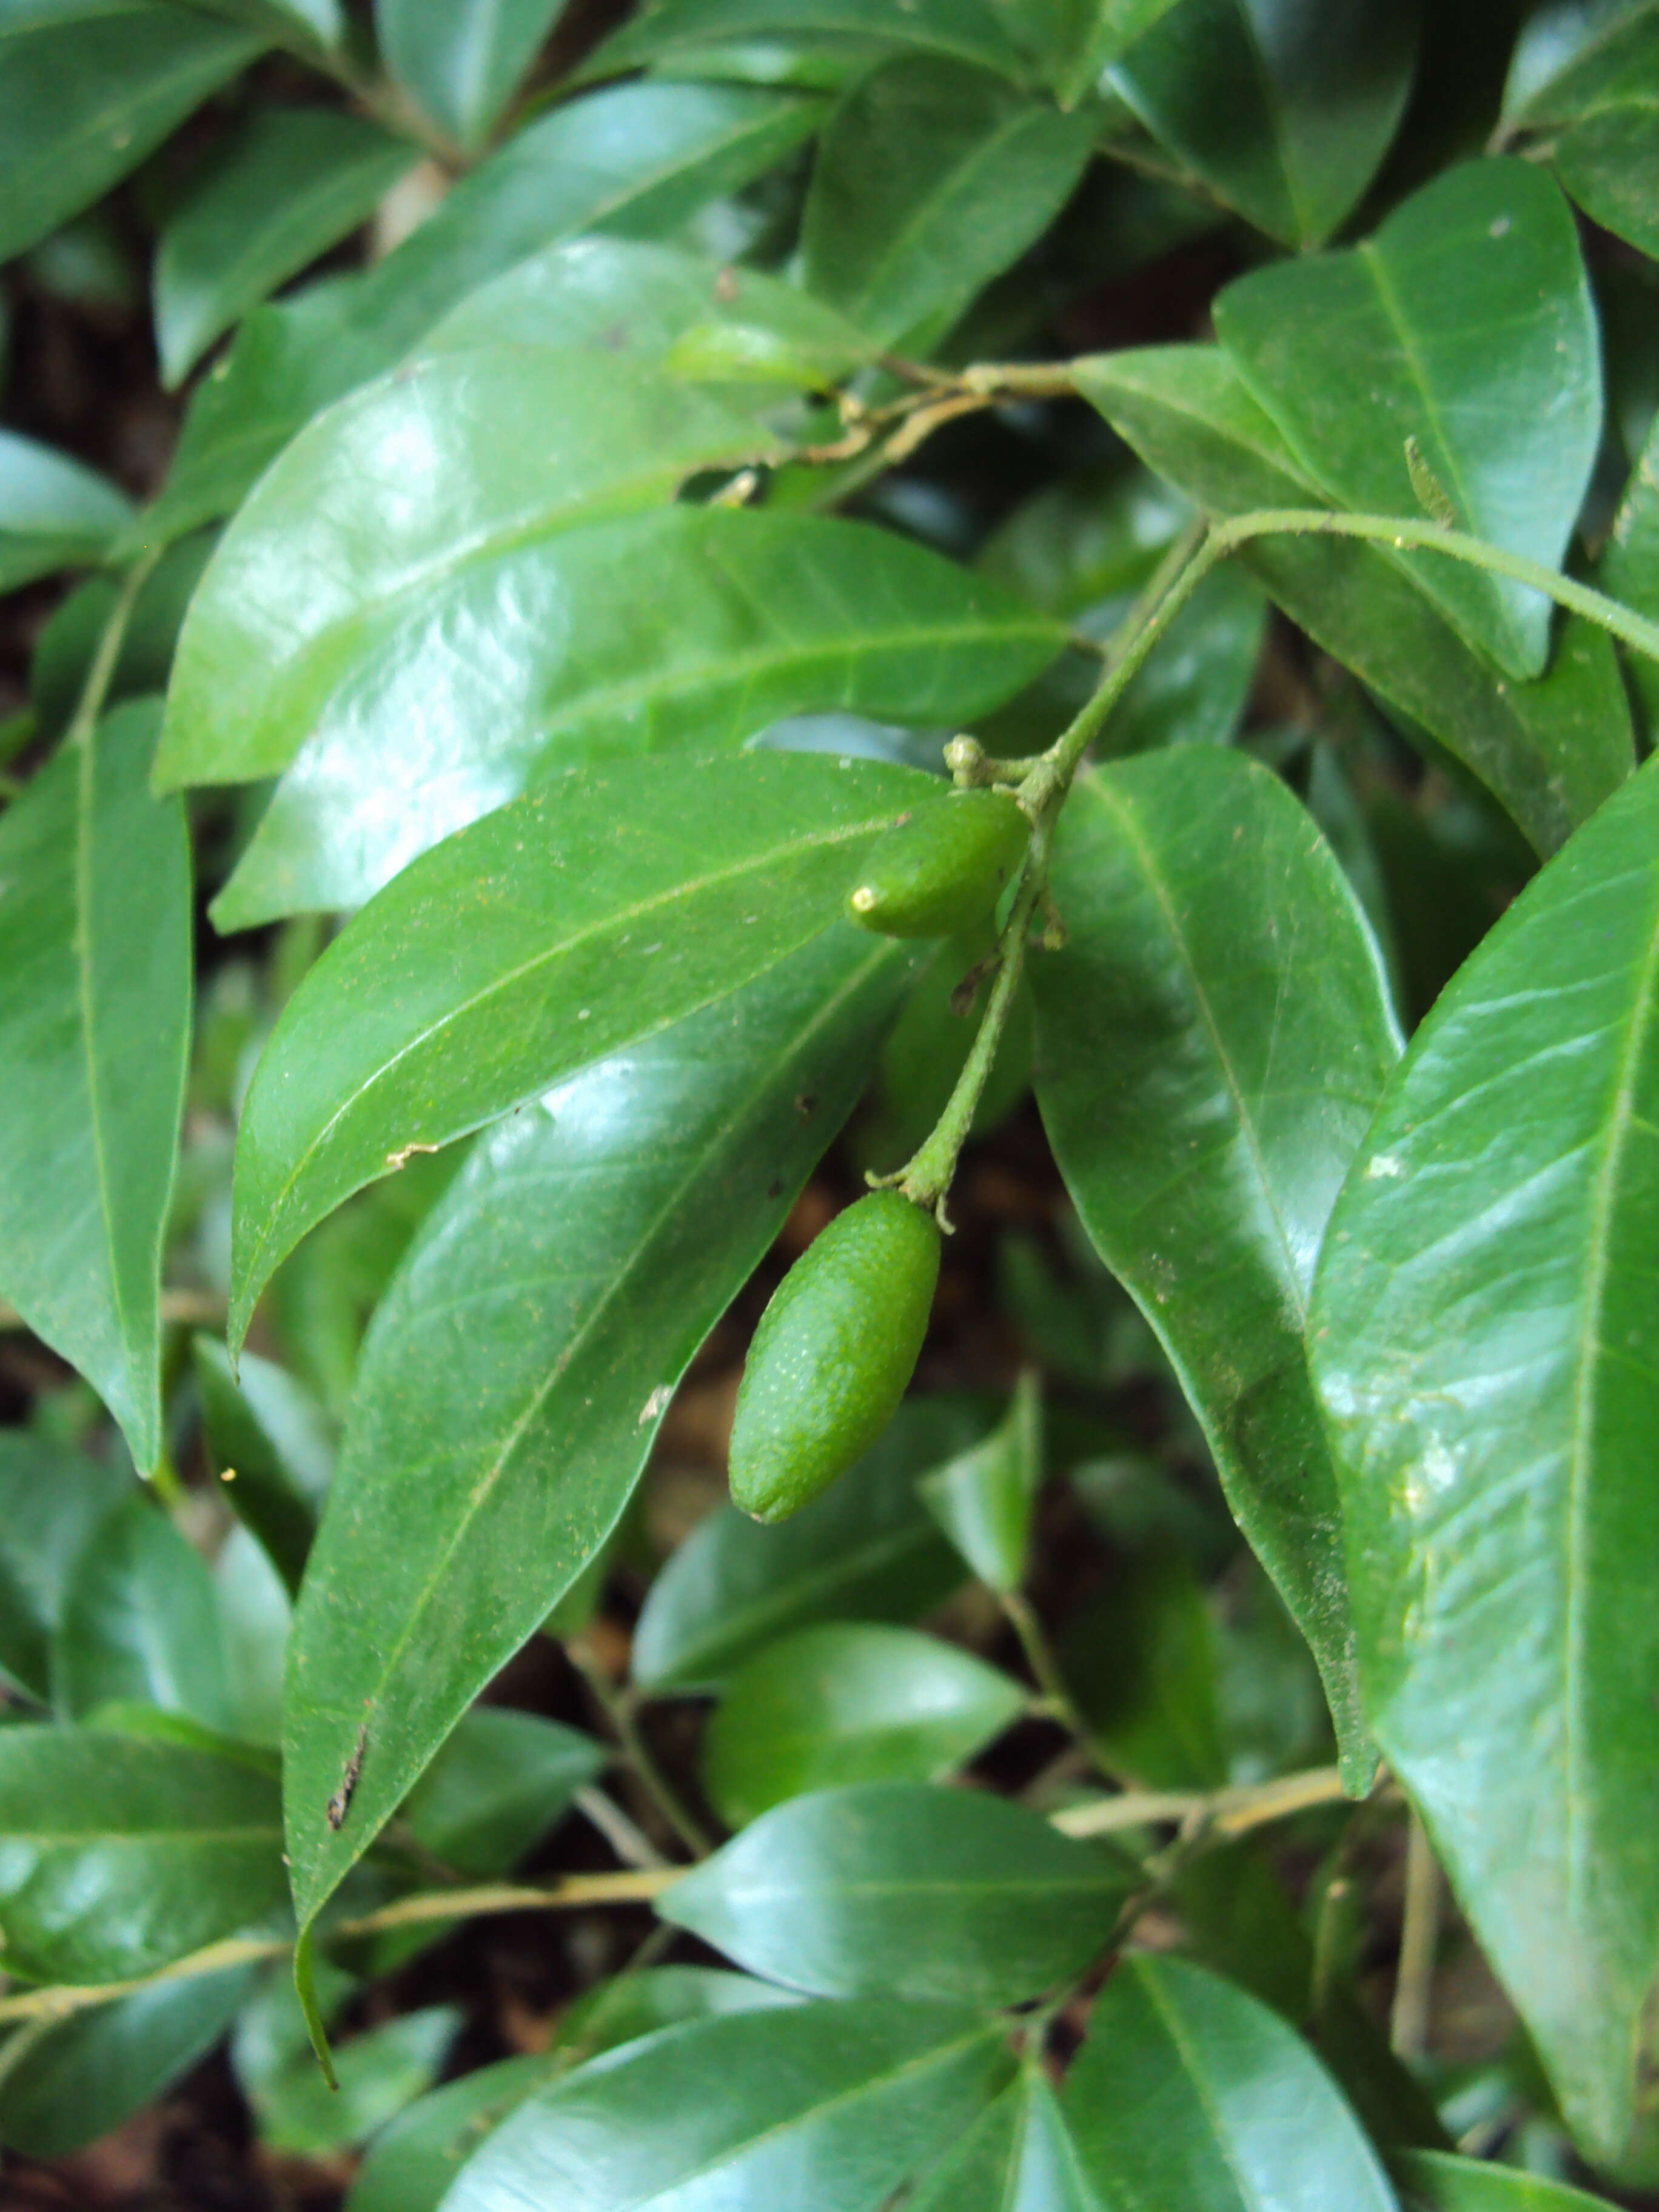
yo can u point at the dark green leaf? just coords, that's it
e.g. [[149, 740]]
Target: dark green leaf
[[619, 1214], [395, 493], [86, 88], [867, 1550], [635, 2004], [892, 1886], [690, 628], [140, 1620], [1484, 1323], [821, 2107], [119, 1855], [637, 159], [1591, 77], [293, 182], [1551, 750], [68, 641], [967, 30], [256, 1615], [557, 930], [1284, 112], [97, 2069], [932, 176], [51, 1500], [460, 59], [54, 513], [1017, 2157], [849, 1702], [1368, 360], [1246, 2116], [1101, 32], [94, 1024], [1629, 561], [1144, 1665], [1212, 1042], [273, 1449], [411, 2167], [1435, 2181], [501, 1782], [984, 1498]]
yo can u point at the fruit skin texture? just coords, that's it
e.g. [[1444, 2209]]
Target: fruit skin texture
[[942, 869], [833, 1354]]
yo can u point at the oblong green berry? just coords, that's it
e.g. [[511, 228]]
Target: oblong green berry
[[943, 867], [833, 1354]]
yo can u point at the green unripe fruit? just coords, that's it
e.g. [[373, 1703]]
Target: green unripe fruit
[[941, 869], [833, 1354]]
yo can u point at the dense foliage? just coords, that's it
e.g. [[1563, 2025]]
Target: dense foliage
[[762, 592]]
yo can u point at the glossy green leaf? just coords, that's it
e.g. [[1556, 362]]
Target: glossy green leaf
[[501, 1782], [845, 1703], [95, 1023], [460, 59], [1246, 2116], [1144, 1664], [1629, 561], [622, 1211], [293, 182], [1212, 1042], [1493, 381], [118, 1856], [823, 2107], [1591, 78], [54, 513], [409, 2167], [1435, 2181], [637, 159], [52, 1498], [379, 2072], [86, 88], [1017, 2157], [894, 1887], [984, 1498], [1484, 1326], [272, 1447], [139, 1620], [398, 492], [867, 1550], [964, 30], [690, 628], [932, 177], [589, 917], [1284, 111], [256, 1615], [92, 2071], [1551, 750]]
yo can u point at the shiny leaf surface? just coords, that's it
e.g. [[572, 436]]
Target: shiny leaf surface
[[984, 1498], [622, 1211], [1485, 1315], [966, 30], [461, 59], [94, 1022], [54, 513], [52, 1498], [140, 1621], [1435, 2181], [1212, 1043], [1017, 2157], [502, 1780], [893, 1887], [595, 916]]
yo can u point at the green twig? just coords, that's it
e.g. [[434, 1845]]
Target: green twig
[[618, 1708], [102, 673]]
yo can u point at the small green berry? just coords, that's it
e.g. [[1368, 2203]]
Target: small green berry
[[833, 1353], [942, 869]]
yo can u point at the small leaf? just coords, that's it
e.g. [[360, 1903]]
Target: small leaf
[[1435, 2181], [87, 90], [1588, 77], [821, 2107], [1211, 1042], [867, 1550], [501, 1782], [54, 513], [140, 1620], [1550, 751], [621, 1213], [932, 176], [272, 1447], [1484, 1326], [1286, 112], [94, 1024], [119, 1855], [411, 2167], [380, 2072], [290, 184], [556, 931], [847, 1702], [893, 1888], [984, 1497], [1497, 378], [965, 30], [460, 59], [1246, 2116], [52, 1498], [690, 628]]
